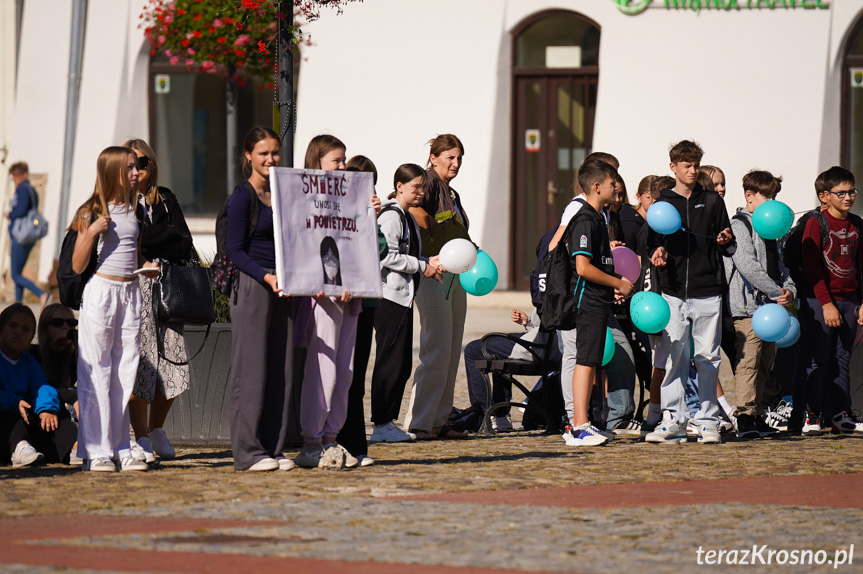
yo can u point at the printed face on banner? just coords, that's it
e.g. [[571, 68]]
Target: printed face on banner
[[325, 232]]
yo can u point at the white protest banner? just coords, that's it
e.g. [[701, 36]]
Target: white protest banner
[[325, 231]]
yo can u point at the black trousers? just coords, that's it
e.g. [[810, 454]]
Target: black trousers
[[353, 433], [261, 372], [394, 327], [55, 445]]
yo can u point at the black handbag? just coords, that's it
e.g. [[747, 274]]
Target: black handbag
[[183, 294]]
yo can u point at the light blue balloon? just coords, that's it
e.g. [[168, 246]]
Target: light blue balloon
[[481, 279], [608, 351], [792, 335], [649, 311], [772, 219], [663, 218], [770, 322]]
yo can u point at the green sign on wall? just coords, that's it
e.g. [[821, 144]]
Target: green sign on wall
[[639, 6]]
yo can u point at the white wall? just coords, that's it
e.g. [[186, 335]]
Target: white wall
[[40, 105], [387, 76]]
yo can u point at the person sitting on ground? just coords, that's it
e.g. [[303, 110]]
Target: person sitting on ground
[[31, 421], [56, 351]]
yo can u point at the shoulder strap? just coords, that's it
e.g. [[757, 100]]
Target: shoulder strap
[[254, 208], [745, 220]]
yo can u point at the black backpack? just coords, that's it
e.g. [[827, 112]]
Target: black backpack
[[558, 305], [537, 277], [791, 246], [225, 274], [71, 285]]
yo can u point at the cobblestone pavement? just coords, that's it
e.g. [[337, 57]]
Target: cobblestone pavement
[[515, 502]]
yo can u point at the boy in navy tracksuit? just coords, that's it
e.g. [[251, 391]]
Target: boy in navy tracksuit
[[691, 278]]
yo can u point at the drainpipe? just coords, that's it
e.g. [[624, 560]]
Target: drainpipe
[[76, 53]]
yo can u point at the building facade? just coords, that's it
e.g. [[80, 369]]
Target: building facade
[[530, 87]]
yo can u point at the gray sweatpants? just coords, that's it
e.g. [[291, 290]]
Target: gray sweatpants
[[620, 370], [262, 325]]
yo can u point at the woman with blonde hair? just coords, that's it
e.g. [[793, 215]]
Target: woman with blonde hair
[[163, 371], [110, 315]]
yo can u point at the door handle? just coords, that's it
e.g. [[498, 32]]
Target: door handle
[[551, 191]]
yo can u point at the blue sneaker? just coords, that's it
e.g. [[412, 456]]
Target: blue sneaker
[[584, 435]]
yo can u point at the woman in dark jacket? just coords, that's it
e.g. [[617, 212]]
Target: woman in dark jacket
[[164, 236], [442, 307]]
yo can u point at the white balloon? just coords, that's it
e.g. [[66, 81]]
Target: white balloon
[[458, 256]]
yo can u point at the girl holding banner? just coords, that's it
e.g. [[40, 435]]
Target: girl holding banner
[[262, 321], [442, 307], [331, 335]]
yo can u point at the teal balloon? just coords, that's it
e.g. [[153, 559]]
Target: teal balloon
[[608, 352], [772, 219], [481, 279], [771, 322], [649, 312], [793, 334]]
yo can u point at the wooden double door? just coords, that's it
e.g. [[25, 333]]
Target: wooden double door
[[554, 120]]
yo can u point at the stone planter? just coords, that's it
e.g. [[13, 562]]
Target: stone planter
[[200, 415]]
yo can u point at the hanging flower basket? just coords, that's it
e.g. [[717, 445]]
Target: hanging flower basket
[[234, 36]]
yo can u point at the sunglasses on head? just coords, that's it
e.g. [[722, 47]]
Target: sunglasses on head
[[58, 322], [143, 162]]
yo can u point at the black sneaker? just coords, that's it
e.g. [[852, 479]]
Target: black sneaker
[[764, 428], [746, 427]]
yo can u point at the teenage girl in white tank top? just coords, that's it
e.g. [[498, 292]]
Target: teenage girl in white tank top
[[109, 320]]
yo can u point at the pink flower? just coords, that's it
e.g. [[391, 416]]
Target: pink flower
[[243, 39], [168, 19], [168, 53], [207, 65], [189, 62], [190, 51], [218, 23], [161, 39], [174, 60]]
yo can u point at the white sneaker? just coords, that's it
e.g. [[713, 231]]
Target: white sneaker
[[132, 463], [709, 434], [285, 463], [691, 429], [25, 455], [631, 428], [728, 425], [142, 450], [584, 435], [75, 460], [102, 464], [161, 444], [668, 431], [502, 424], [264, 464], [846, 422], [390, 433], [350, 461], [365, 460], [811, 424]]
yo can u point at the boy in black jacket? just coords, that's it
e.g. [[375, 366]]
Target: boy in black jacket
[[691, 278]]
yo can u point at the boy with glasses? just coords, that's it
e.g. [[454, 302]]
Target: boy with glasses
[[832, 312]]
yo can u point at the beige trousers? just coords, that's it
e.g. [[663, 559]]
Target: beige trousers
[[442, 309], [754, 364]]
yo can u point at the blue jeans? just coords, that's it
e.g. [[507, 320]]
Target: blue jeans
[[19, 256]]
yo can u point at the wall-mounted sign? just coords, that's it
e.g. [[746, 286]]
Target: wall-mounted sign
[[857, 77], [163, 84], [639, 6], [531, 141]]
